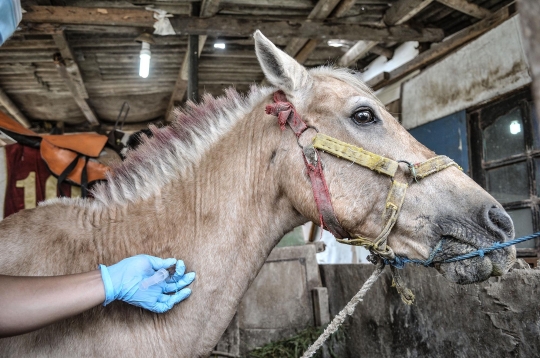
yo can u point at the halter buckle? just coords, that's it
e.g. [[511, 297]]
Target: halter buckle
[[411, 167]]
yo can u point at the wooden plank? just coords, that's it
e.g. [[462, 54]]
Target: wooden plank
[[529, 11], [11, 45], [72, 86], [321, 11], [343, 7], [298, 4], [382, 51], [89, 16], [224, 26], [402, 10], [13, 110], [359, 50], [70, 64], [440, 50], [466, 7], [209, 8], [193, 73]]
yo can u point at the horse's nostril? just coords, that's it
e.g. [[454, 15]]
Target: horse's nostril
[[499, 219]]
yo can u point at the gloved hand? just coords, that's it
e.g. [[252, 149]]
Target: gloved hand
[[122, 282]]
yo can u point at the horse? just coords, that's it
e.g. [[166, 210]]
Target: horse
[[219, 187]]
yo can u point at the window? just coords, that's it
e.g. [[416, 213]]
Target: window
[[505, 160]]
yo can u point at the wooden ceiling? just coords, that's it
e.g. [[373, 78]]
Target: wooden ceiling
[[76, 61]]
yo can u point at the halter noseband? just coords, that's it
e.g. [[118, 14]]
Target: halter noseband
[[287, 114]]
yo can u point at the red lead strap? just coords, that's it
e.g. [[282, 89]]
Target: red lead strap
[[287, 114]]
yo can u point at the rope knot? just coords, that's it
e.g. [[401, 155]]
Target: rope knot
[[282, 110]]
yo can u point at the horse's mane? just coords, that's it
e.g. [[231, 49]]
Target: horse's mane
[[172, 150]]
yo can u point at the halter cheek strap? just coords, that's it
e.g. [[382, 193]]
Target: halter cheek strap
[[287, 114]]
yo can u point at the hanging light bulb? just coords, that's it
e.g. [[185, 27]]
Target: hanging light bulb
[[144, 66], [145, 54]]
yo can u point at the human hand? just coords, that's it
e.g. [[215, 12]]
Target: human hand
[[122, 282]]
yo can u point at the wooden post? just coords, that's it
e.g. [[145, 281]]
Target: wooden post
[[529, 13], [193, 75]]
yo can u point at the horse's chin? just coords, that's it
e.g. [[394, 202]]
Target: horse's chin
[[476, 269]]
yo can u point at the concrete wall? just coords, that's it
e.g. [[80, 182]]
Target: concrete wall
[[489, 66], [280, 301], [497, 318]]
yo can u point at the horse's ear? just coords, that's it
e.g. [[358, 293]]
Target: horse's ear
[[280, 69]]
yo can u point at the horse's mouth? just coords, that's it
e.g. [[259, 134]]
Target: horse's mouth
[[476, 269]]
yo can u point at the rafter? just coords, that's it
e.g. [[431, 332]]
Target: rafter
[[69, 70], [89, 15], [359, 50], [226, 26], [440, 50], [229, 26], [312, 44], [209, 8], [399, 13], [403, 10], [466, 7], [321, 11], [13, 109]]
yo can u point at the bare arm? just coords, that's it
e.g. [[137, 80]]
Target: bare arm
[[30, 303]]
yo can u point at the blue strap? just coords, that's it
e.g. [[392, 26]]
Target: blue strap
[[399, 262]]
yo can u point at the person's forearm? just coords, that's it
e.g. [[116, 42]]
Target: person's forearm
[[29, 303]]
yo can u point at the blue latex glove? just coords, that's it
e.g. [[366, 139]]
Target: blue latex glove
[[122, 281]]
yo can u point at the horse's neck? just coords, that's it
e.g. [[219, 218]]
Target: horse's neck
[[222, 219]]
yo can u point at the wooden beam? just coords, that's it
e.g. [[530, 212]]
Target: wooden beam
[[69, 70], [529, 11], [359, 50], [230, 26], [74, 89], [440, 50], [193, 75], [402, 10], [321, 11], [382, 51], [89, 16], [312, 44], [209, 8], [308, 48], [466, 7], [343, 7], [225, 25], [71, 65], [13, 109]]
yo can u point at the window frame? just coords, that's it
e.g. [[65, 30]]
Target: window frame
[[479, 118]]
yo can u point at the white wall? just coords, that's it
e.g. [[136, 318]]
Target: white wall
[[491, 65]]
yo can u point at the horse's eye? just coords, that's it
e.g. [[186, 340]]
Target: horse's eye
[[363, 116]]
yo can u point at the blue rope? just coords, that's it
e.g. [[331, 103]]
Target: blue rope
[[399, 262]]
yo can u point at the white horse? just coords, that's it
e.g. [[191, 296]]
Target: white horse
[[218, 189]]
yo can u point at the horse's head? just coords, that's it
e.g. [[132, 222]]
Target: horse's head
[[446, 209]]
